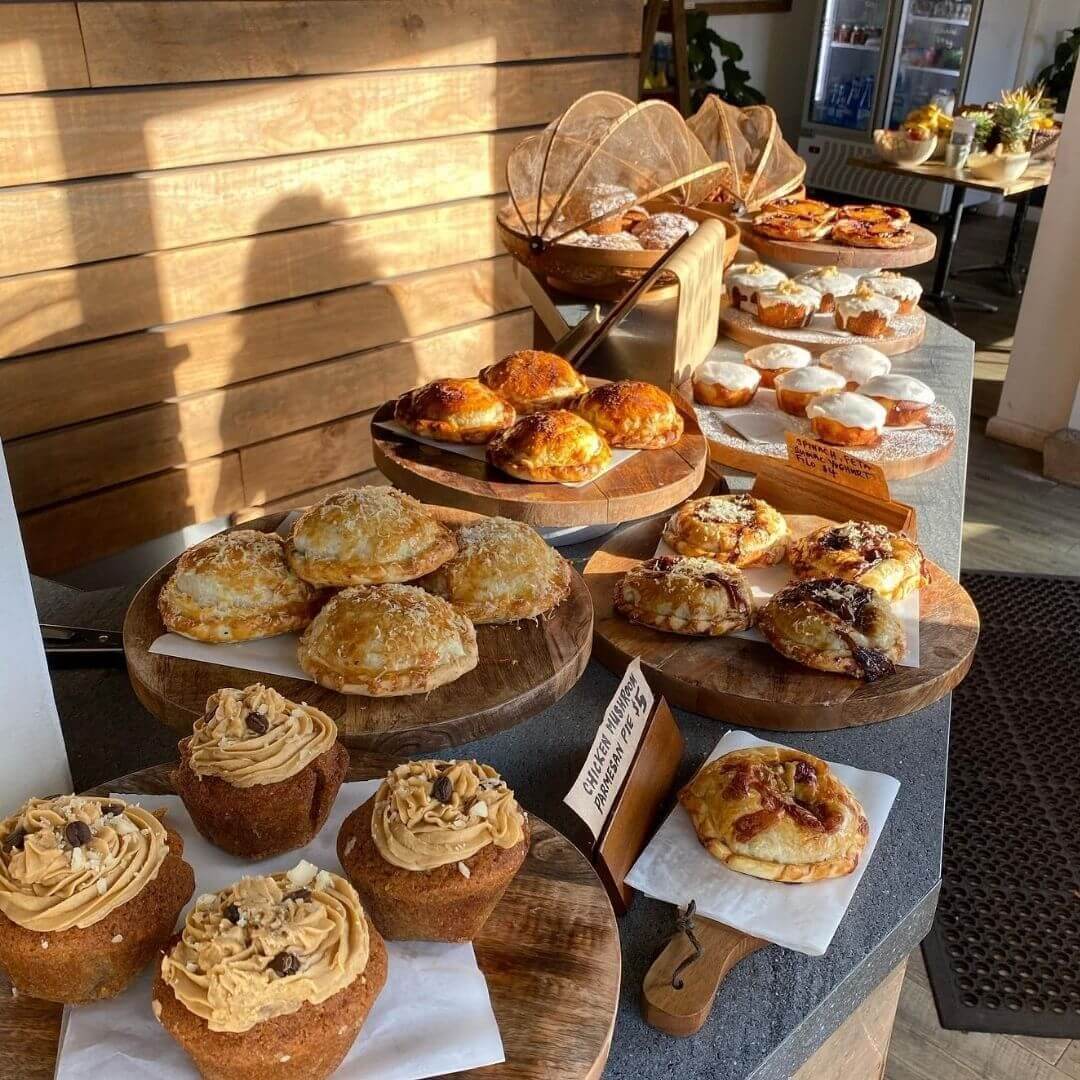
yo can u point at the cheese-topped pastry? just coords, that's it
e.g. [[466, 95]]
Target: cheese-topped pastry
[[856, 362], [618, 241], [834, 625], [236, 586], [454, 410], [533, 381], [777, 814], [387, 640], [830, 282], [772, 360], [865, 312], [685, 595], [735, 529], [725, 383], [904, 399], [360, 536], [907, 291], [864, 552], [795, 389], [632, 415], [788, 306], [550, 447], [846, 419], [503, 571], [660, 231], [744, 280]]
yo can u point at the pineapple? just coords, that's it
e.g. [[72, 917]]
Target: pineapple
[[1014, 117]]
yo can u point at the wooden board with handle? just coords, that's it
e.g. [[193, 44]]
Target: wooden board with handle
[[555, 911], [747, 682], [524, 667]]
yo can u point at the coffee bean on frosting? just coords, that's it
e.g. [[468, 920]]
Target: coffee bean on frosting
[[259, 724], [443, 789], [299, 895], [15, 841], [232, 913], [112, 808], [285, 964], [77, 833]]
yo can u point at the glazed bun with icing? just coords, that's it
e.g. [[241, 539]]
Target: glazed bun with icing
[[904, 399], [745, 280], [865, 312], [454, 410], [90, 891], [830, 283], [789, 306], [534, 381], [738, 530], [434, 849], [557, 447], [795, 389], [259, 774], [725, 383], [272, 977], [905, 290], [857, 362], [236, 586], [773, 360], [846, 419], [632, 415]]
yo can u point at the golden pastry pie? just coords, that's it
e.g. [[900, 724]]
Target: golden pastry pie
[[794, 218], [234, 587], [387, 640], [867, 234], [533, 381], [502, 571], [834, 625], [777, 814], [800, 207], [875, 214], [685, 595], [556, 447], [864, 552], [735, 529], [360, 536], [632, 415], [454, 410]]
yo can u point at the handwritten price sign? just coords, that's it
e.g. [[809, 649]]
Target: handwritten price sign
[[833, 464]]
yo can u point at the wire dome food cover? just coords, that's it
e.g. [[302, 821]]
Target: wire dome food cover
[[762, 165], [603, 155]]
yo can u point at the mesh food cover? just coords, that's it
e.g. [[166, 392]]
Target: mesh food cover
[[763, 166], [603, 155]]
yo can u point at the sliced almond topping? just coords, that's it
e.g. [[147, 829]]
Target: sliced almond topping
[[465, 871]]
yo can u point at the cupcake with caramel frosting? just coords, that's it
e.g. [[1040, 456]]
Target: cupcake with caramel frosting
[[272, 977], [259, 773], [433, 850], [90, 891]]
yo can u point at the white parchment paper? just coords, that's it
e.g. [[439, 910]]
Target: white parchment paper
[[433, 1016], [677, 869]]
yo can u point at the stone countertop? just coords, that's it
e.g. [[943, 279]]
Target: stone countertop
[[777, 1006]]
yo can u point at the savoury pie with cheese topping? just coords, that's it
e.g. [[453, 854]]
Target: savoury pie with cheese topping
[[777, 814], [236, 586], [503, 571], [557, 447], [685, 595], [386, 641], [360, 536], [532, 381], [633, 415], [834, 625], [454, 410], [864, 552], [735, 529]]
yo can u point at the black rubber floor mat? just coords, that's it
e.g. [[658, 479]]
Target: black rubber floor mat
[[1004, 952]]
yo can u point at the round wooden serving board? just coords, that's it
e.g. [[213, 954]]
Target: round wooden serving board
[[748, 683], [550, 954], [822, 253], [647, 483], [524, 667], [906, 333]]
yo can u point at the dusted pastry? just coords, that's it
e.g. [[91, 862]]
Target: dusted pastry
[[272, 978], [746, 279], [773, 360], [795, 389], [90, 891], [904, 399], [434, 849], [363, 536], [454, 410], [829, 282], [865, 312], [534, 381], [386, 641], [787, 307], [905, 290], [503, 571], [556, 447], [856, 362], [660, 231], [632, 415], [777, 814], [834, 625], [601, 207], [725, 383], [259, 773], [618, 241], [864, 552], [234, 587], [685, 595], [735, 529], [846, 419]]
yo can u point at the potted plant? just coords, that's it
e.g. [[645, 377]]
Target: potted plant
[[1014, 117]]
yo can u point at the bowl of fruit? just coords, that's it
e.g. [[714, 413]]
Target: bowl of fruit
[[912, 145]]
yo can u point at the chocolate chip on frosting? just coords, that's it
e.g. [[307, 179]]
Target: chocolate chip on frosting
[[299, 895], [15, 841], [77, 833], [443, 789], [256, 723], [285, 964], [232, 913]]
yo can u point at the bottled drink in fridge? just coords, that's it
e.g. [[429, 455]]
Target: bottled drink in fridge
[[866, 103]]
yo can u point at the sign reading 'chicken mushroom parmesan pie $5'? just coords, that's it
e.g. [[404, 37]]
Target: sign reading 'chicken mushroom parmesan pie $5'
[[593, 792]]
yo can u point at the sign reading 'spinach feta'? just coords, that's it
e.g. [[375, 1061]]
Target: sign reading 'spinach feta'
[[613, 749]]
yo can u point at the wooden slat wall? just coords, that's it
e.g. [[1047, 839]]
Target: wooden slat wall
[[231, 229]]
